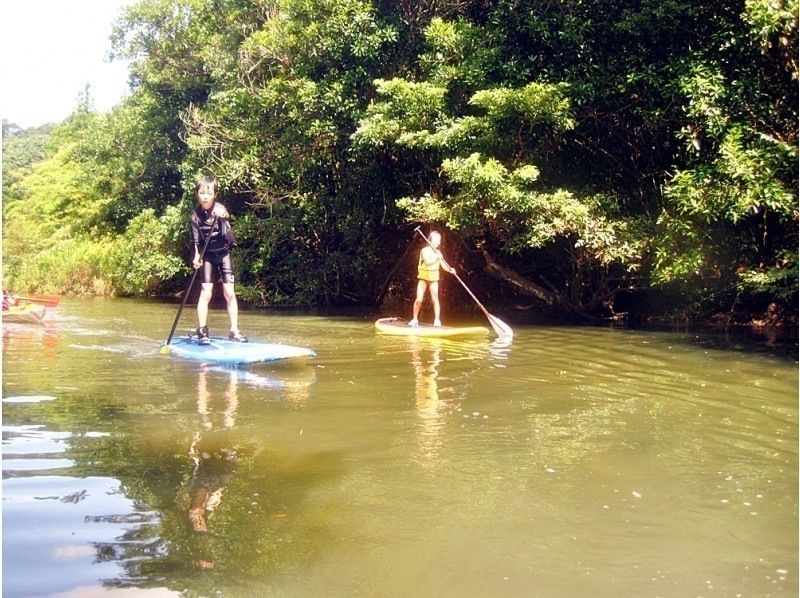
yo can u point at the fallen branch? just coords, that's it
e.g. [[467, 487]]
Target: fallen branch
[[495, 270], [530, 288]]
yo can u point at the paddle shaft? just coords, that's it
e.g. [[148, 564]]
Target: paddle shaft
[[191, 281], [385, 287]]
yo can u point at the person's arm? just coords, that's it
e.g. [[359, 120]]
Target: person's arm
[[195, 226], [445, 265]]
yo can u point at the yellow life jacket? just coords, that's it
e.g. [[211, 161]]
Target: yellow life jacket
[[426, 271]]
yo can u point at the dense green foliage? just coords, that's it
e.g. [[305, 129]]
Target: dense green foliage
[[22, 149], [597, 156], [63, 224]]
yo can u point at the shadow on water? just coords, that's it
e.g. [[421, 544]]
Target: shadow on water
[[781, 342]]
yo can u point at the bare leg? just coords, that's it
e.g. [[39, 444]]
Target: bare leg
[[202, 304], [233, 305], [421, 284], [434, 290]]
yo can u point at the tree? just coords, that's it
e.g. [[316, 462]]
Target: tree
[[661, 157], [278, 138], [587, 154]]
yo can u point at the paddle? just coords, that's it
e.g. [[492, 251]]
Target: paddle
[[385, 287], [501, 328], [47, 300], [165, 348]]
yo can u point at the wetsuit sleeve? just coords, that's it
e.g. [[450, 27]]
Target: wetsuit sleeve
[[195, 228]]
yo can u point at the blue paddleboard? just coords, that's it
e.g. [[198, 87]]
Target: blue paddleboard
[[224, 352]]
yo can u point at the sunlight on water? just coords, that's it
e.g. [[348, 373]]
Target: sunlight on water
[[570, 461]]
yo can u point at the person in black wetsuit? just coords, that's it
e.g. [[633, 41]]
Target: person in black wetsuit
[[216, 257]]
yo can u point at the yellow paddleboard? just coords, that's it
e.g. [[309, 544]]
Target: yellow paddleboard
[[401, 327]]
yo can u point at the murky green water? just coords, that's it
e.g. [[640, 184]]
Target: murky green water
[[573, 462]]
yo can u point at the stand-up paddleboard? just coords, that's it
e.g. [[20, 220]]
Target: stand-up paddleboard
[[401, 327], [224, 352]]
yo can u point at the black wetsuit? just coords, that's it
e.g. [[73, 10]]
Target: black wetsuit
[[217, 253]]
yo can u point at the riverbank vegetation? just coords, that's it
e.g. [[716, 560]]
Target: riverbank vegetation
[[589, 159]]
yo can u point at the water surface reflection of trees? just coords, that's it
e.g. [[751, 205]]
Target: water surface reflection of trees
[[226, 506]]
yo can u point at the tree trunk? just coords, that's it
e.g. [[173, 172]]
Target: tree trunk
[[553, 300]]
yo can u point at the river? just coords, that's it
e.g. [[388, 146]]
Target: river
[[570, 462]]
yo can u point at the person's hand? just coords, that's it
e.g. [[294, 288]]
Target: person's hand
[[197, 262], [220, 211]]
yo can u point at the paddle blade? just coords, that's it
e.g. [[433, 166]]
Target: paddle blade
[[46, 300], [165, 350], [502, 329]]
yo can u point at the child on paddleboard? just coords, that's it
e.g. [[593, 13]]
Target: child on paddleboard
[[216, 257], [430, 260]]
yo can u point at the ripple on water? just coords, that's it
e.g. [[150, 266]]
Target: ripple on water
[[29, 449], [86, 531], [28, 399], [108, 349], [32, 439], [18, 467], [67, 531]]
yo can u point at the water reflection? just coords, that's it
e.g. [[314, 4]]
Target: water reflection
[[426, 361], [87, 530], [212, 453], [500, 348], [644, 463], [293, 382], [238, 502], [44, 336]]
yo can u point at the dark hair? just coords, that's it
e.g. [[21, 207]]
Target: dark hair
[[208, 179]]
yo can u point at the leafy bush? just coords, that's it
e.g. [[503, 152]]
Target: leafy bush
[[144, 256], [778, 281], [69, 266]]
